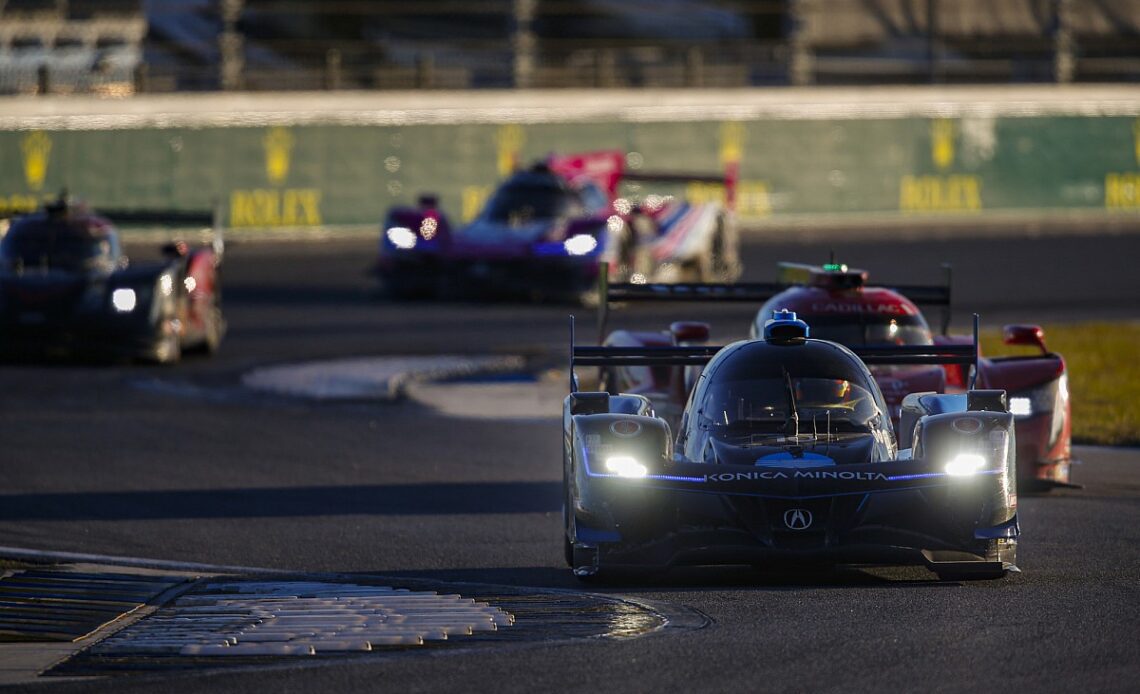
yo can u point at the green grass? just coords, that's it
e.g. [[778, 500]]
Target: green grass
[[1104, 377]]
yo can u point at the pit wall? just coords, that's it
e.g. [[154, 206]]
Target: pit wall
[[318, 169]]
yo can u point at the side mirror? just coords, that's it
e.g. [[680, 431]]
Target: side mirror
[[589, 402], [986, 401], [1025, 335], [689, 331]]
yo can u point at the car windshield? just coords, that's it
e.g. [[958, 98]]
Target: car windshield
[[870, 329], [519, 203], [55, 247], [766, 405]]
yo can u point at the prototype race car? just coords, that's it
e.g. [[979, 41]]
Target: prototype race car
[[67, 288], [545, 229], [841, 307], [785, 452]]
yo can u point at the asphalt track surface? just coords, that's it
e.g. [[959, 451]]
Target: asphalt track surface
[[92, 462]]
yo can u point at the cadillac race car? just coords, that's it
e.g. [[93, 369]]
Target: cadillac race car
[[841, 307], [67, 288], [785, 452], [548, 229]]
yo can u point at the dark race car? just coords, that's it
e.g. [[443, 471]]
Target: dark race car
[[785, 452], [67, 288], [547, 230], [841, 307]]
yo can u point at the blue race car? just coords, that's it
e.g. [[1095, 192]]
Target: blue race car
[[547, 230], [785, 452]]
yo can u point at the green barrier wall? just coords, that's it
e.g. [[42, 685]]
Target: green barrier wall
[[314, 175]]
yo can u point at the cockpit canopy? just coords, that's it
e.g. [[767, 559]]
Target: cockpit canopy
[[53, 242], [539, 194], [757, 388]]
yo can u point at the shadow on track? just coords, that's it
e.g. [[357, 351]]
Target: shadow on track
[[409, 499], [695, 578]]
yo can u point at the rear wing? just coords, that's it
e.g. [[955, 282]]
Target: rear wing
[[878, 355], [751, 292], [607, 168], [210, 219]]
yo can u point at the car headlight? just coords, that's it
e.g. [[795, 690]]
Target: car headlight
[[401, 237], [626, 466], [580, 244], [124, 300], [965, 464]]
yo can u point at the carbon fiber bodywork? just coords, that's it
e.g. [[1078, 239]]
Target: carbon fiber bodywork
[[799, 499]]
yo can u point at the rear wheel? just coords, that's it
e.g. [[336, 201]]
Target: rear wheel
[[169, 348], [215, 329]]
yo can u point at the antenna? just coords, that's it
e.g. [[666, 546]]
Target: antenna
[[974, 375], [603, 298], [573, 378]]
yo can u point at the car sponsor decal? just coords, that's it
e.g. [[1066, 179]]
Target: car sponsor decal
[[967, 425], [861, 307], [797, 518], [749, 475], [625, 428]]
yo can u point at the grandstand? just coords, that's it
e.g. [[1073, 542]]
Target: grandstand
[[123, 46], [69, 46]]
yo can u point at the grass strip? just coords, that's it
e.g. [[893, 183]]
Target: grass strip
[[1103, 361]]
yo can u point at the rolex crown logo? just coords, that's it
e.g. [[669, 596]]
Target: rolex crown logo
[[731, 142], [942, 143], [510, 139], [278, 151], [37, 149]]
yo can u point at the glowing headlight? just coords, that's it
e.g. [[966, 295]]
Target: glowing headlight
[[625, 466], [580, 244], [124, 300], [402, 237], [965, 464], [1020, 407]]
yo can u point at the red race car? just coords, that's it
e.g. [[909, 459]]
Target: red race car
[[839, 306]]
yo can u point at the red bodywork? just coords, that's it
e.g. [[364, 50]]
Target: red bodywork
[[838, 307]]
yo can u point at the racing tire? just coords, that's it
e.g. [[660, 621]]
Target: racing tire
[[215, 329], [169, 349]]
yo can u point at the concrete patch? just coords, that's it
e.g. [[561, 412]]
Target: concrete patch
[[491, 400], [368, 378]]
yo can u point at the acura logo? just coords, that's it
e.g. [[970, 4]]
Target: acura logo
[[797, 518]]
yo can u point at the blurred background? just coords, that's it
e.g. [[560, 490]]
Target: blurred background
[[125, 46], [321, 115]]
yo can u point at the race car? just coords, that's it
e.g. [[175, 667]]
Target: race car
[[840, 306], [546, 231], [66, 288], [785, 453]]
